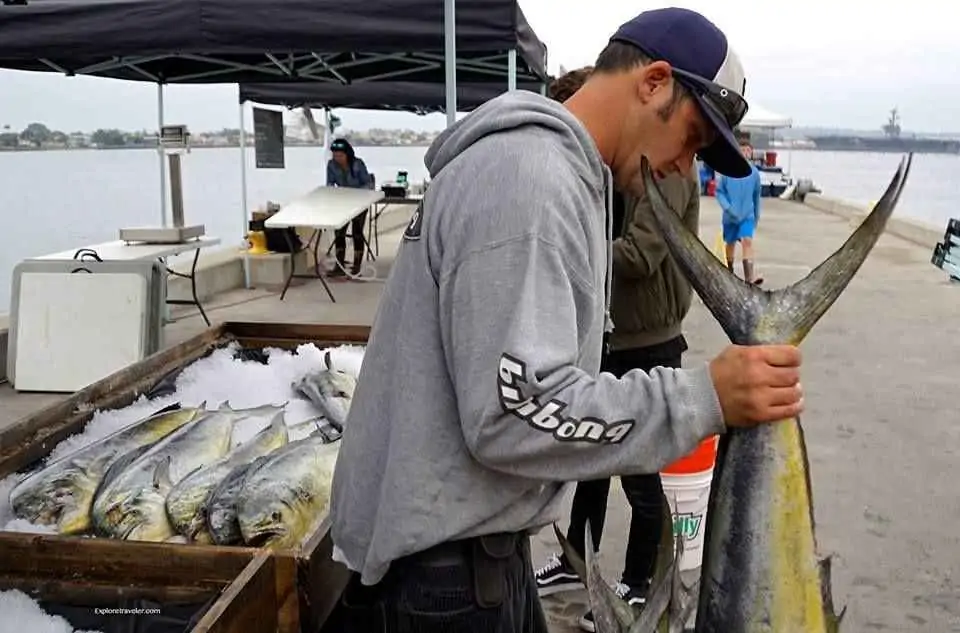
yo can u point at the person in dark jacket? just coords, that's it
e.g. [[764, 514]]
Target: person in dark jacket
[[650, 298], [344, 169]]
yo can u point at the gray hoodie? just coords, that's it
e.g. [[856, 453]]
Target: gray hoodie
[[479, 393]]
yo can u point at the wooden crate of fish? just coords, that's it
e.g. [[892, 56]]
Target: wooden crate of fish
[[101, 585], [226, 441]]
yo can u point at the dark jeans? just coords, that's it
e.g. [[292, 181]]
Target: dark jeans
[[459, 587], [643, 491], [356, 231]]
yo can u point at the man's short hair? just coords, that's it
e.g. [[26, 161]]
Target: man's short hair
[[620, 56], [563, 87]]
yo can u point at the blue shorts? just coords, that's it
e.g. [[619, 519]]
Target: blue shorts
[[736, 232]]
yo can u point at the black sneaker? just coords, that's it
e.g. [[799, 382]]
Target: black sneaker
[[555, 576], [633, 597]]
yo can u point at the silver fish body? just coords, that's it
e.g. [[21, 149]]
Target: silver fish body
[[131, 502], [288, 494], [330, 391], [187, 501], [221, 509], [61, 493]]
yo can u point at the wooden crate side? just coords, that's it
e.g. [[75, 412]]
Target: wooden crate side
[[288, 603], [293, 334], [106, 561], [320, 579], [249, 603]]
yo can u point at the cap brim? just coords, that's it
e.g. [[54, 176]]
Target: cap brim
[[724, 154]]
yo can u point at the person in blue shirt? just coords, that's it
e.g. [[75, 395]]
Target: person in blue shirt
[[740, 200], [344, 169], [706, 175]]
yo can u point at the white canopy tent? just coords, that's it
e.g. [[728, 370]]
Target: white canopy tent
[[759, 117]]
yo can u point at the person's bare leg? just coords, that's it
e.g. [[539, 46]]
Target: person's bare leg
[[731, 253], [748, 276]]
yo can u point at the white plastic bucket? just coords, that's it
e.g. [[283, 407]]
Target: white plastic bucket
[[688, 496]]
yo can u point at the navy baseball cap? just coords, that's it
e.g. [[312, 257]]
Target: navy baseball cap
[[703, 62]]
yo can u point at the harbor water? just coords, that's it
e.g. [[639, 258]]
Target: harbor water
[[56, 200]]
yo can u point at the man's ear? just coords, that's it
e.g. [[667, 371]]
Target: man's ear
[[653, 78]]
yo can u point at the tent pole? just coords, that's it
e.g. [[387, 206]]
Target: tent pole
[[243, 195], [163, 163], [450, 59], [327, 137], [512, 70]]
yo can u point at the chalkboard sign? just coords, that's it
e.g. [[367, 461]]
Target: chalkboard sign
[[268, 133]]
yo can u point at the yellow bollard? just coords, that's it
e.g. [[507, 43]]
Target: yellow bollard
[[258, 243], [719, 248]]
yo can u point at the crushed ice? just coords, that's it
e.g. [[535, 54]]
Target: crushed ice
[[23, 613], [215, 379]]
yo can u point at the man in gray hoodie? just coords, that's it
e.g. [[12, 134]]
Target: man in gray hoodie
[[480, 392]]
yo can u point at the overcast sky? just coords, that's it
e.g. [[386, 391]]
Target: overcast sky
[[840, 63]]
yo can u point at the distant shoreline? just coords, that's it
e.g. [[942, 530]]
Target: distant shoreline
[[13, 150]]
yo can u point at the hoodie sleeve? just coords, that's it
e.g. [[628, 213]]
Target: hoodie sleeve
[[510, 312]]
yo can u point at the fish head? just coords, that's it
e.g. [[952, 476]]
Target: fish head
[[276, 521], [337, 384], [133, 515], [186, 508], [331, 391], [60, 498]]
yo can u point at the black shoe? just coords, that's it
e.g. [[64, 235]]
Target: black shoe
[[555, 576], [633, 597], [337, 271]]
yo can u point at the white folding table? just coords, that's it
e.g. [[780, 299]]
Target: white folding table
[[323, 209], [119, 250]]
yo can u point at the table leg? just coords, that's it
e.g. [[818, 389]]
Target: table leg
[[316, 264], [193, 288], [376, 225], [320, 274], [293, 264]]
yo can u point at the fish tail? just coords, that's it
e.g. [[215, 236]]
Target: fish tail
[[609, 610], [669, 603], [831, 617], [750, 315]]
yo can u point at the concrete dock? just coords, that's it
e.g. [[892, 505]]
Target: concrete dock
[[882, 424]]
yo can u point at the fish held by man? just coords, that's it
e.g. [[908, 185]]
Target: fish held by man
[[131, 501], [760, 570], [61, 493], [187, 501], [284, 499]]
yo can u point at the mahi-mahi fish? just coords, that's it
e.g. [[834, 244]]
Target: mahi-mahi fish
[[760, 572], [131, 501], [61, 493], [186, 502], [220, 510], [288, 493], [331, 392]]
